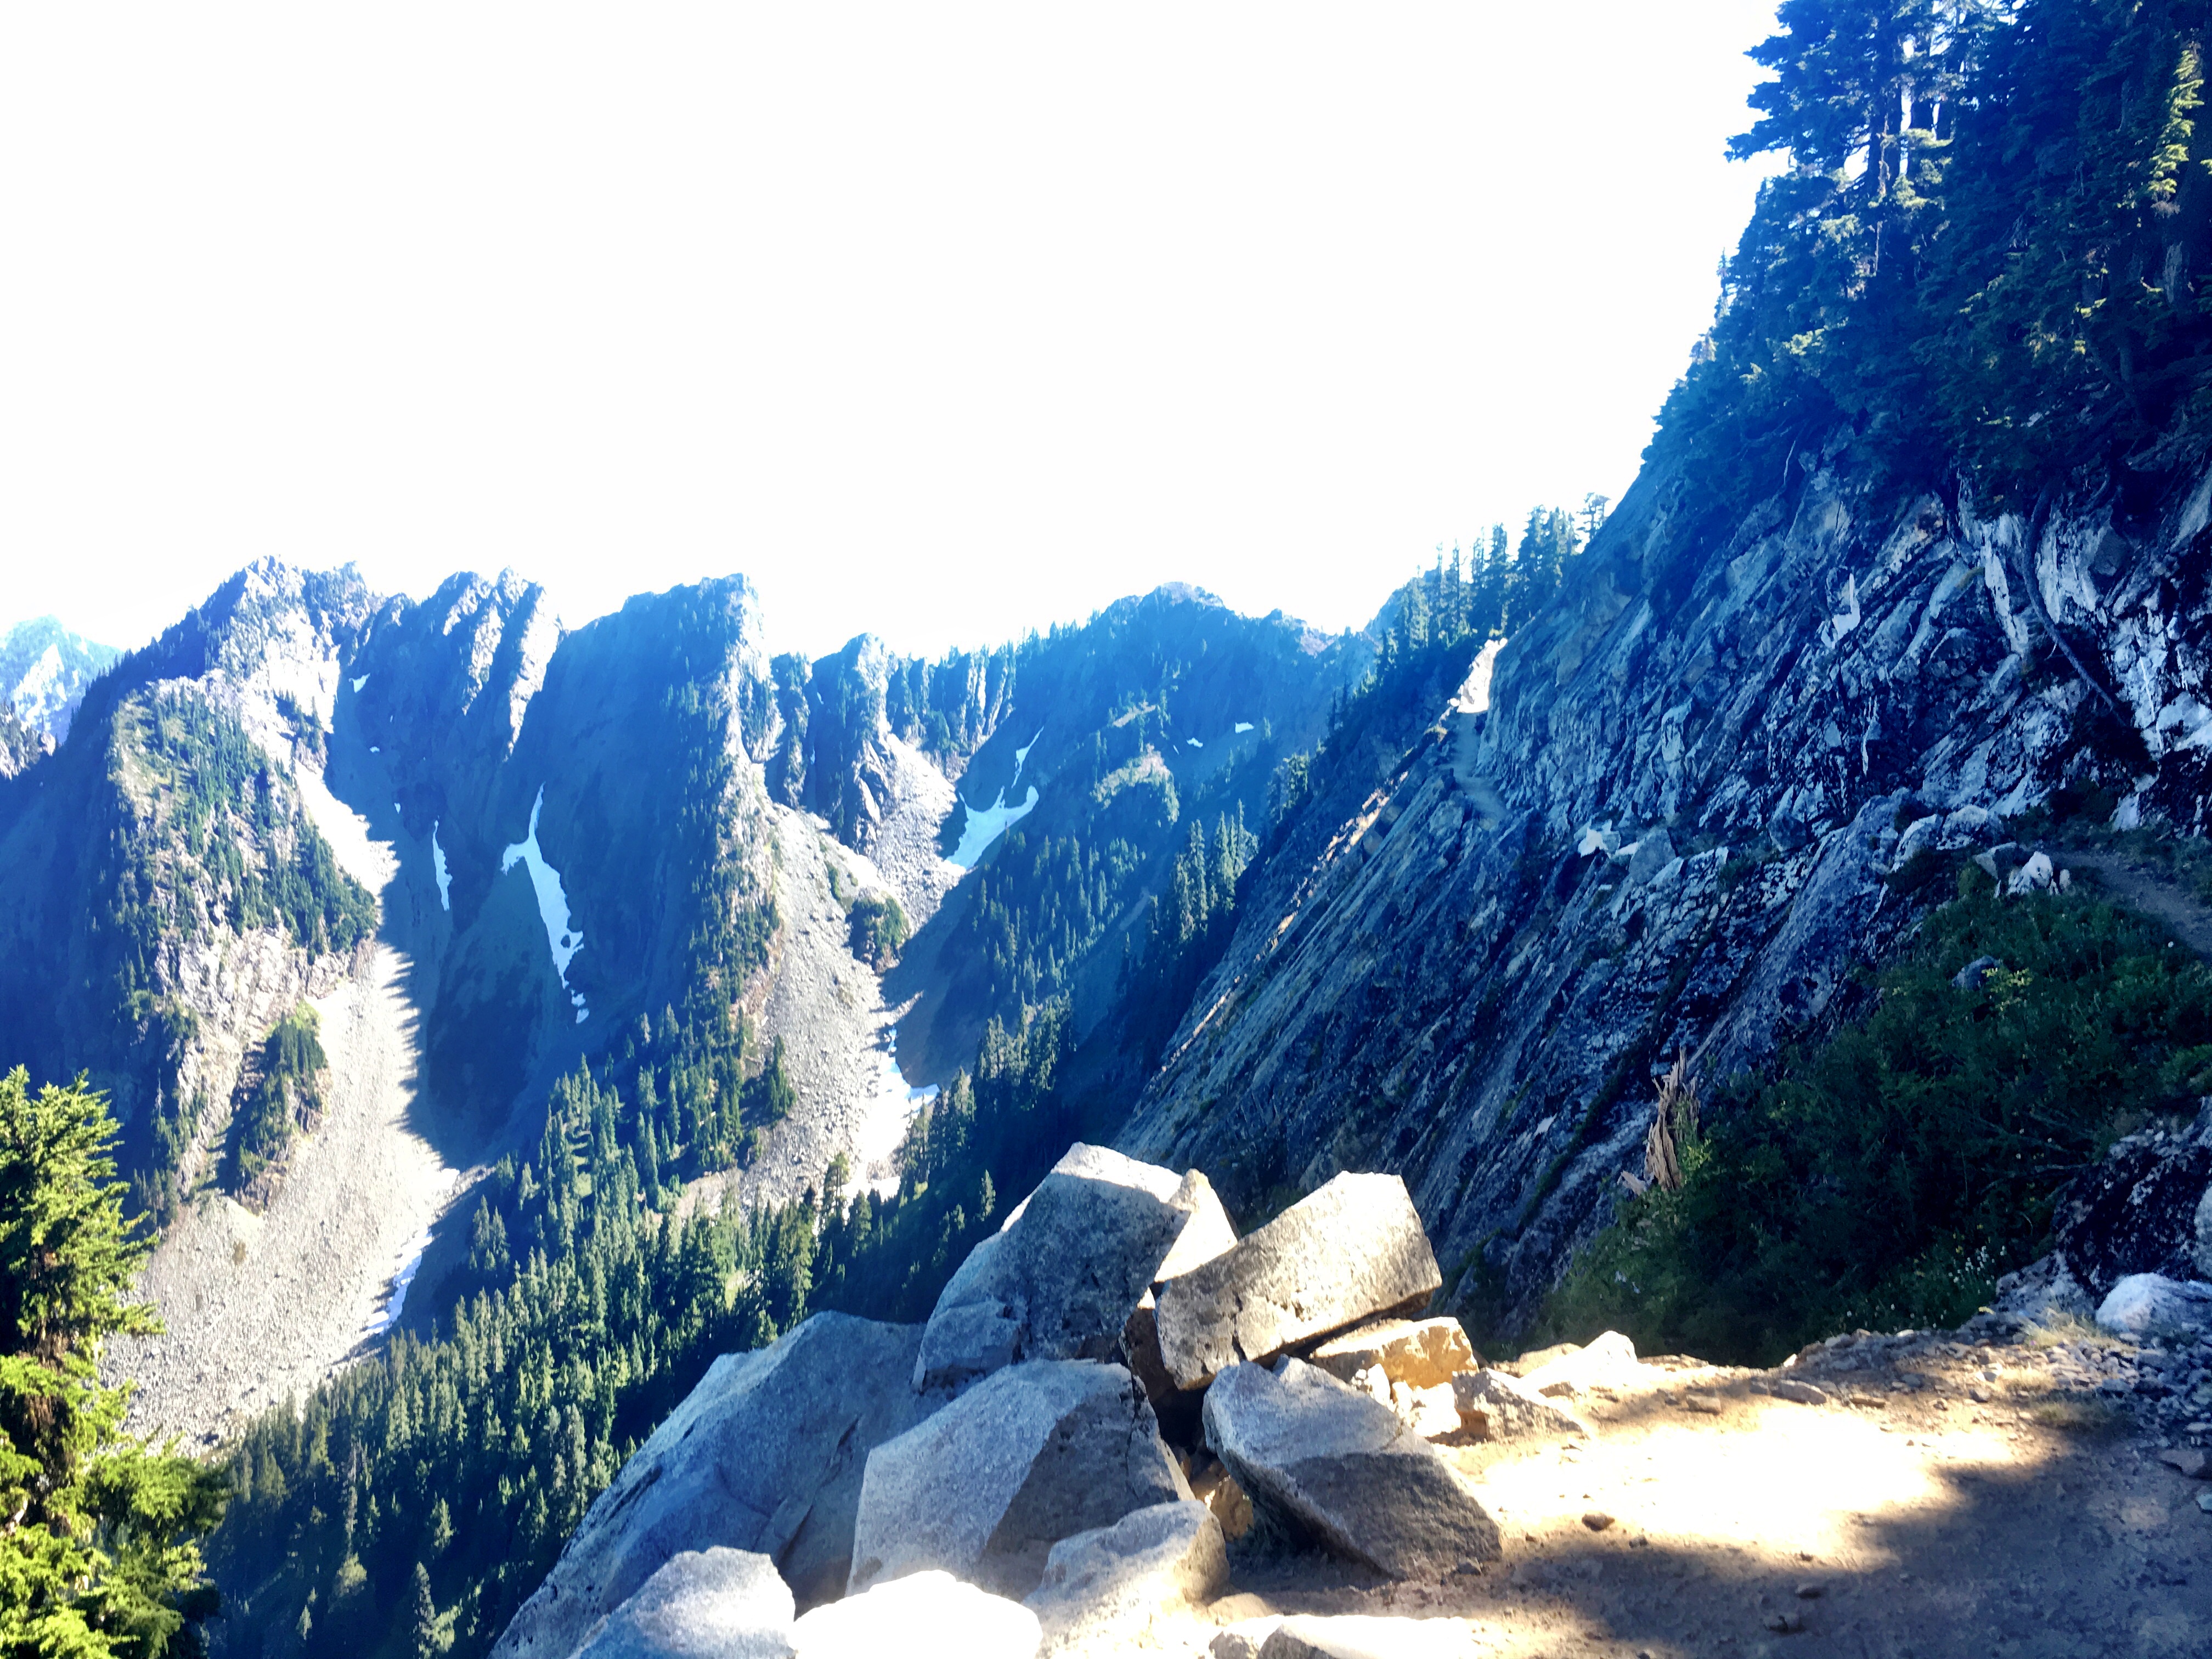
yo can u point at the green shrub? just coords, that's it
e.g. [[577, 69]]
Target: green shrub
[[1888, 1176], [287, 1098], [879, 929]]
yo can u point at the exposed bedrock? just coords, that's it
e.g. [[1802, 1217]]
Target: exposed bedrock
[[1677, 825]]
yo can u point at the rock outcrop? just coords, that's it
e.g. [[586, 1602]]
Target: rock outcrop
[[766, 1455], [2145, 1208], [1325, 1461], [984, 1488], [1709, 780], [702, 1604], [1350, 1251], [1046, 1479], [1060, 1278]]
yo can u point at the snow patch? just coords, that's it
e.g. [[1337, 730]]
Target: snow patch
[[980, 828], [359, 681], [984, 825], [1245, 725], [409, 1265], [553, 902], [438, 860], [899, 1102]]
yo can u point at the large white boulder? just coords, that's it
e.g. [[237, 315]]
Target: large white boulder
[[1104, 1591], [765, 1455], [926, 1615], [1032, 1455], [1060, 1278], [1322, 1461], [702, 1604], [1352, 1250], [2144, 1304]]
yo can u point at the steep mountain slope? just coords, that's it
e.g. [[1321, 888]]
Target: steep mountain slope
[[165, 896], [1690, 809], [459, 853], [44, 670], [1162, 718]]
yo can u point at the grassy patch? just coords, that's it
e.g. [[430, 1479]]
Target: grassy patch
[[1888, 1177]]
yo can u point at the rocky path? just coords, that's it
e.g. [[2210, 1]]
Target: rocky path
[[262, 1307], [2143, 887], [1950, 1496]]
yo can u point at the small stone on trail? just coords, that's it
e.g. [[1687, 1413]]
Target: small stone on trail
[[1608, 1359], [2204, 1502], [1597, 1520], [1787, 1387], [1785, 1624], [2189, 1460], [1811, 1590], [1704, 1407]]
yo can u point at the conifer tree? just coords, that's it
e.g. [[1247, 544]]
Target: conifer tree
[[98, 1534]]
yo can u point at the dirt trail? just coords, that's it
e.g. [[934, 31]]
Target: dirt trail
[[2145, 888], [1903, 1517], [261, 1306]]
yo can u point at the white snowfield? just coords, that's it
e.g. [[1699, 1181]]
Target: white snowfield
[[984, 825], [552, 902]]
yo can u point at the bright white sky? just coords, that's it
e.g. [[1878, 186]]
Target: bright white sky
[[940, 321]]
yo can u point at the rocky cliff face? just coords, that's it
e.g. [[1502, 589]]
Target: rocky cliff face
[[1687, 812], [165, 894]]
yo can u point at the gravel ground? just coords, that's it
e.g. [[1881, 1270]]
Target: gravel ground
[[1982, 1492], [905, 849], [839, 1033]]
